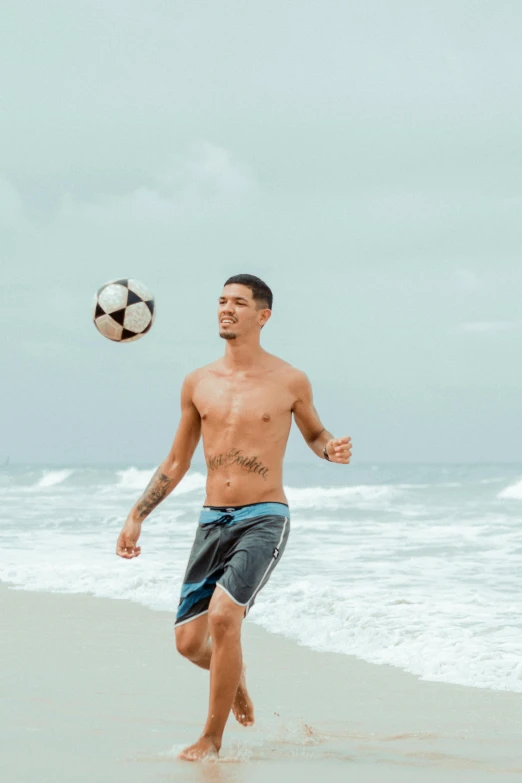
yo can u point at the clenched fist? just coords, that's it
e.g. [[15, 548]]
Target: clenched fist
[[126, 545], [339, 450]]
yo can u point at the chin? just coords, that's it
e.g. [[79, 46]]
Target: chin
[[227, 335]]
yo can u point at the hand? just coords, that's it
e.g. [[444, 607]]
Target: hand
[[339, 450], [126, 545]]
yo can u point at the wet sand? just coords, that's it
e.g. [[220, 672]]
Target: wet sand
[[94, 688]]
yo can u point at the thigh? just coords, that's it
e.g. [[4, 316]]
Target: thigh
[[193, 634], [204, 567], [223, 610], [253, 556]]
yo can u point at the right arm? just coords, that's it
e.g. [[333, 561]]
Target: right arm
[[169, 473]]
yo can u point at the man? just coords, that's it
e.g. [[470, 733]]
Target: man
[[242, 405]]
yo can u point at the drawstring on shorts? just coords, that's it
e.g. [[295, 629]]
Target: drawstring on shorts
[[219, 522]]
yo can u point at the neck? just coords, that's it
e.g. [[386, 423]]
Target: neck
[[241, 354]]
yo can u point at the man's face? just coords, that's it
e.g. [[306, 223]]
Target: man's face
[[237, 312]]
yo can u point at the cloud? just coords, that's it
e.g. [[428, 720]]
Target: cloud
[[489, 327], [205, 182], [468, 279], [11, 207]]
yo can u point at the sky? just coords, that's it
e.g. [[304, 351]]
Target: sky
[[362, 157]]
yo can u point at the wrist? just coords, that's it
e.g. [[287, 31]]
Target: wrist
[[325, 454]]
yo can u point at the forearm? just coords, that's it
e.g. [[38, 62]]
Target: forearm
[[318, 443], [166, 477]]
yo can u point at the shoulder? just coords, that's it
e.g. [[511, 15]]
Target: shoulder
[[296, 381], [193, 378], [299, 383]]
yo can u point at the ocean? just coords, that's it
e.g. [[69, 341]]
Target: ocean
[[416, 566]]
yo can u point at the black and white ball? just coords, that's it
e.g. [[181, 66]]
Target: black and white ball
[[123, 310]]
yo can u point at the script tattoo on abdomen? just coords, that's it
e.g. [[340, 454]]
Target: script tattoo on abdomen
[[236, 457]]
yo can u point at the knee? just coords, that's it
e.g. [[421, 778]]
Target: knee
[[188, 644], [222, 622]]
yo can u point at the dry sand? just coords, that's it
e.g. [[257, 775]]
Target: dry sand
[[93, 689]]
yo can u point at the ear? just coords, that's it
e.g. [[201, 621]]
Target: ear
[[264, 316]]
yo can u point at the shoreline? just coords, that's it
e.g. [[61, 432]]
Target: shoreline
[[95, 686]]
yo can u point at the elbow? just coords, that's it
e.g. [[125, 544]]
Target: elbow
[[315, 436], [176, 468]]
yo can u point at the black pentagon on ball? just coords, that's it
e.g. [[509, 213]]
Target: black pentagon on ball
[[99, 311], [150, 305], [127, 333], [119, 316], [133, 298]]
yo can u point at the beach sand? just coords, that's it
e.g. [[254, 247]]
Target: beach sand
[[94, 689]]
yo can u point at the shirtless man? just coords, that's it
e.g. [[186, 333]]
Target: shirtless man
[[242, 405]]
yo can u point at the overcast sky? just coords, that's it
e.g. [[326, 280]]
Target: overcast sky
[[364, 158]]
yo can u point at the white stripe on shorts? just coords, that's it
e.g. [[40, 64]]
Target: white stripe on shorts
[[218, 584], [182, 622], [270, 565]]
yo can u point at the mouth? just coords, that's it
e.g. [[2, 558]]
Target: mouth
[[226, 321]]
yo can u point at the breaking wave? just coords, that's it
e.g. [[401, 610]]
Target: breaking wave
[[512, 492]]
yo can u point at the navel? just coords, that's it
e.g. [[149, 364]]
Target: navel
[[266, 417]]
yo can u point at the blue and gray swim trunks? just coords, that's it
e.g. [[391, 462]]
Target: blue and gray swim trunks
[[237, 548]]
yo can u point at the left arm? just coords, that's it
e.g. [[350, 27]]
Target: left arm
[[307, 419]]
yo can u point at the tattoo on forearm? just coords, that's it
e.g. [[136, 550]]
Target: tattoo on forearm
[[236, 457], [157, 489]]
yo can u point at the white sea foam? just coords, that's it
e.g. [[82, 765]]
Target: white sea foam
[[432, 641], [51, 478], [190, 483], [136, 479], [405, 572], [512, 492], [434, 637], [338, 497], [147, 581], [133, 478]]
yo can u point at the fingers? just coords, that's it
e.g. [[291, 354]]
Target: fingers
[[126, 549], [128, 552], [129, 535], [342, 450], [342, 458], [342, 441]]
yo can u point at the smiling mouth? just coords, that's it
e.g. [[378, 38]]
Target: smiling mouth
[[226, 322]]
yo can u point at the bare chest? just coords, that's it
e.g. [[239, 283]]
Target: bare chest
[[230, 403]]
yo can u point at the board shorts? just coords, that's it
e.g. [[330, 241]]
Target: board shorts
[[237, 548]]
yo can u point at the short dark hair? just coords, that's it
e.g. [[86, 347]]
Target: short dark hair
[[260, 291]]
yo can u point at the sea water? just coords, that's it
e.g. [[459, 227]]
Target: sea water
[[417, 566]]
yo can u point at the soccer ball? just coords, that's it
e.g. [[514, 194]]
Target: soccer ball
[[123, 310]]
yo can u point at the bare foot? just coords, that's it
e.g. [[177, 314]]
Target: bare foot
[[204, 748], [243, 707]]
